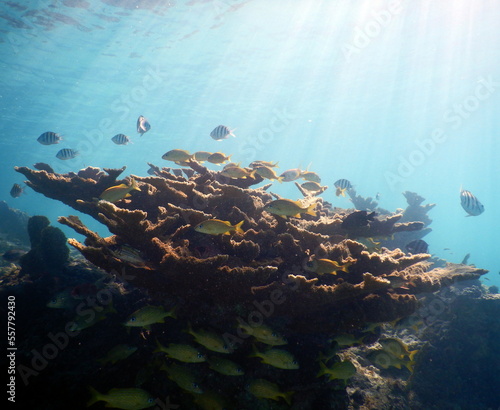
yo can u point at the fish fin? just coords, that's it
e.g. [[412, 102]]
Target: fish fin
[[310, 210], [159, 346], [288, 397], [173, 312], [412, 354], [252, 174], [134, 186], [409, 366], [237, 228], [296, 216], [95, 396], [323, 369], [280, 179]]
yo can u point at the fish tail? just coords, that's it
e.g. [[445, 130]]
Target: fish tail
[[280, 179], [412, 355], [95, 396], [345, 267], [255, 352], [409, 365], [310, 210], [134, 186], [172, 313], [323, 369], [252, 174], [237, 227], [159, 347], [288, 397]]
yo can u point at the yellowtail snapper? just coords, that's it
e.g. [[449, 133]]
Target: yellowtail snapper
[[49, 138], [16, 191], [66, 153], [143, 125], [470, 203], [121, 139], [221, 132]]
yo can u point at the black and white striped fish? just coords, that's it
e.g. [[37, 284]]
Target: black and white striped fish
[[66, 153], [470, 203], [16, 191], [120, 139], [221, 132], [49, 138], [417, 246], [342, 185], [143, 125]]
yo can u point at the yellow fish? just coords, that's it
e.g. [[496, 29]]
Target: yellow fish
[[311, 176], [268, 173], [183, 378], [384, 360], [217, 227], [117, 353], [177, 155], [218, 158], [128, 398], [148, 315], [340, 370], [259, 163], [281, 359], [264, 334], [210, 340], [237, 173], [201, 156], [321, 266], [311, 186], [211, 401], [286, 207], [264, 389], [181, 352], [115, 193], [396, 348], [225, 366]]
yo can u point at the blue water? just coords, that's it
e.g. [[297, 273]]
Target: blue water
[[353, 90]]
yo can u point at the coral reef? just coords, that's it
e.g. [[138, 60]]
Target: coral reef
[[261, 275], [267, 258]]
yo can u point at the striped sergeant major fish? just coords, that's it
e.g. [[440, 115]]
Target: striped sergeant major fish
[[49, 138], [342, 185], [120, 139], [16, 191], [470, 203], [66, 153], [221, 132], [143, 125]]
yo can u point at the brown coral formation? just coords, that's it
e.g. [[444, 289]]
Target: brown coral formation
[[235, 272]]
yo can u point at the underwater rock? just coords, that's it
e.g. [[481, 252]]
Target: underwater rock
[[13, 224], [49, 253]]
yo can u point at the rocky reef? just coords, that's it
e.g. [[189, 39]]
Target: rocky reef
[[262, 275]]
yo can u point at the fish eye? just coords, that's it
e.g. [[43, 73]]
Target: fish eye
[[151, 400], [132, 319], [199, 355], [295, 362], [200, 226]]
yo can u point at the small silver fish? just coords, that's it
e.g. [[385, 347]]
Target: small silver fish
[[143, 125], [49, 138], [121, 139], [221, 132], [66, 153]]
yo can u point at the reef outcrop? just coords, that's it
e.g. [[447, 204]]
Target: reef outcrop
[[266, 262]]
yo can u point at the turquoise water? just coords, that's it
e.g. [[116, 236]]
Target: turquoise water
[[354, 90]]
